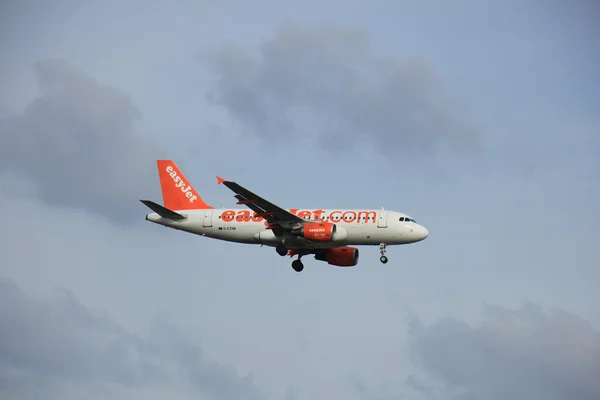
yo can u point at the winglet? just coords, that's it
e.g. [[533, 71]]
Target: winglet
[[220, 180]]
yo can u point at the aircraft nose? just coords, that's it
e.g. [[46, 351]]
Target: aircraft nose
[[422, 233]]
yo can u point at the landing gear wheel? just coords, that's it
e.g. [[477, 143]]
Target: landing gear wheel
[[297, 265], [382, 249], [281, 249]]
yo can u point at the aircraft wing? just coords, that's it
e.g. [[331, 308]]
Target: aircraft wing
[[278, 218]]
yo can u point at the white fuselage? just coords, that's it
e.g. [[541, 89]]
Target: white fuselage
[[363, 227]]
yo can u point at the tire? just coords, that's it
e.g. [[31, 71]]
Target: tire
[[281, 249], [297, 265]]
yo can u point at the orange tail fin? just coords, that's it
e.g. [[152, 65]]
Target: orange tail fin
[[177, 192]]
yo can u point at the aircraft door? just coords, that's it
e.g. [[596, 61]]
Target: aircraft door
[[208, 218], [382, 219]]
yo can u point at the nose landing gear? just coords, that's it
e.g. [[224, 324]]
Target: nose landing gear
[[383, 249]]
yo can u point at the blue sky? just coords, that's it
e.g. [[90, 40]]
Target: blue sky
[[478, 119]]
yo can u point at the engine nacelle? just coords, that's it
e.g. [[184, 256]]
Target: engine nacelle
[[321, 232], [340, 256]]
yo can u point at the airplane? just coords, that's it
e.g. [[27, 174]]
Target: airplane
[[328, 234]]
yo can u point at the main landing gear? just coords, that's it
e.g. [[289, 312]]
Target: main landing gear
[[297, 265], [382, 249], [282, 250]]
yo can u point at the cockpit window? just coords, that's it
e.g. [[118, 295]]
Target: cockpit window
[[401, 218], [407, 219]]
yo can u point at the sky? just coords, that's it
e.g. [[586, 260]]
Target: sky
[[478, 119]]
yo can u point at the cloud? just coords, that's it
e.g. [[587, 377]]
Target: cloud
[[514, 354], [324, 85], [78, 144], [59, 347]]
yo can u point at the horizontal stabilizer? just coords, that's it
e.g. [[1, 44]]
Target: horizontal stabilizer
[[162, 211]]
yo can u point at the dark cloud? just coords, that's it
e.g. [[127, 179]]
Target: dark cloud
[[521, 354], [324, 85], [55, 347], [77, 142]]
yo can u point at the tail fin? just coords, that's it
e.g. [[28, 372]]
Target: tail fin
[[177, 192]]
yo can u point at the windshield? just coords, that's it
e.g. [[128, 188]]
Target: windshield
[[407, 219]]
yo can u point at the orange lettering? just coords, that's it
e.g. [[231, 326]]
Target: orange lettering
[[318, 214], [256, 218], [336, 219], [243, 216], [334, 216], [349, 216], [228, 215], [366, 215], [304, 214]]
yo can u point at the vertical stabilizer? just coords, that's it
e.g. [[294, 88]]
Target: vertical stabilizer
[[178, 193]]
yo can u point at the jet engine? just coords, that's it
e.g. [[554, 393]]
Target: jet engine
[[321, 232], [339, 256]]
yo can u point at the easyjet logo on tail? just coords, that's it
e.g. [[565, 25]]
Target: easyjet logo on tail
[[181, 184], [178, 193]]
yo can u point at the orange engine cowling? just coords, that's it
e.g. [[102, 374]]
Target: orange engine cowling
[[319, 232], [340, 256]]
